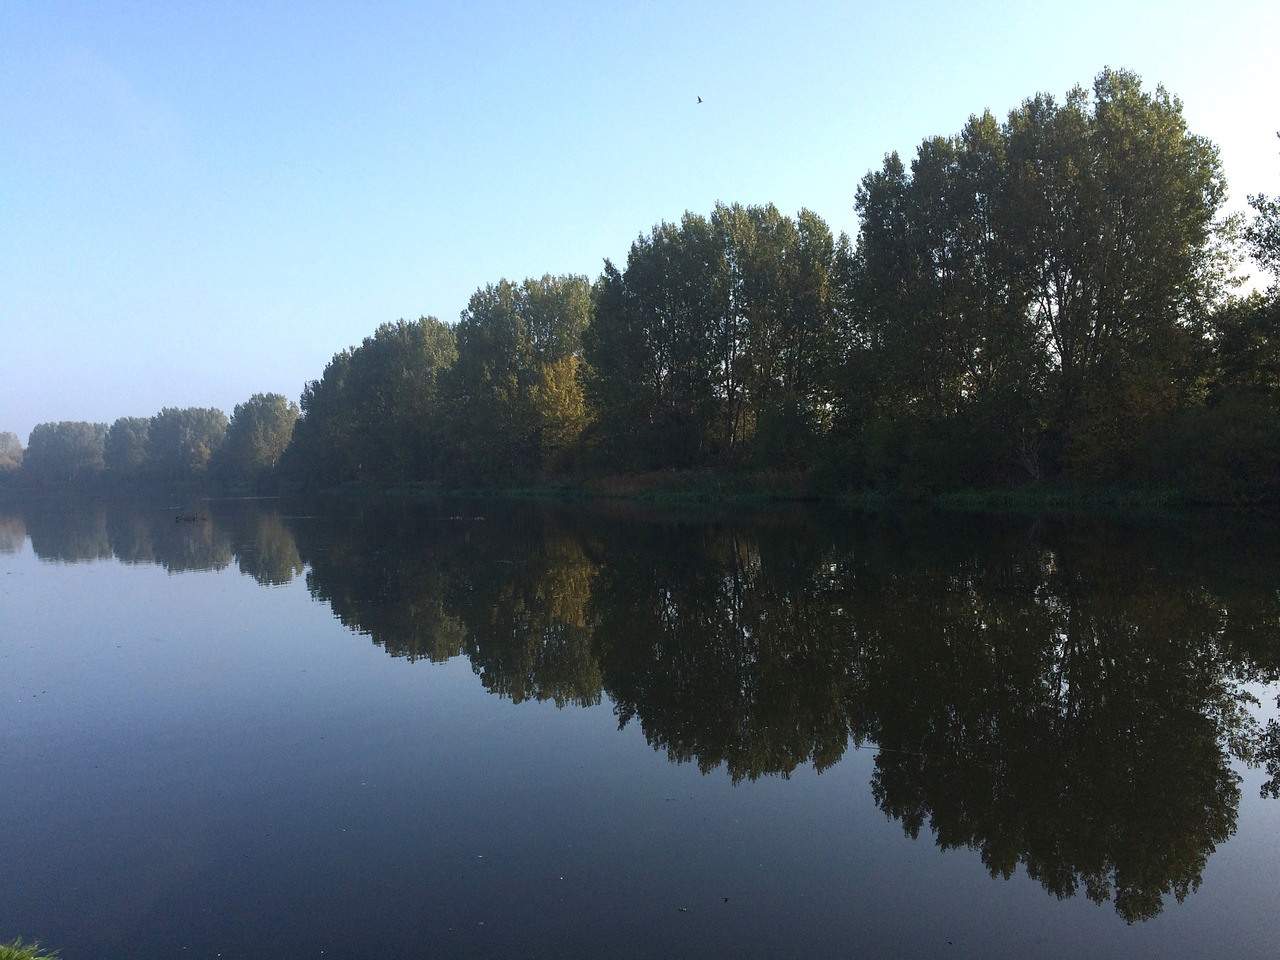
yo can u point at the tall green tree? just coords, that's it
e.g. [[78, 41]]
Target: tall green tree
[[1247, 332], [125, 449], [181, 441], [655, 351], [70, 450], [942, 335], [374, 414], [515, 391], [714, 344], [1230, 448], [1114, 230], [257, 436], [794, 394], [1044, 281]]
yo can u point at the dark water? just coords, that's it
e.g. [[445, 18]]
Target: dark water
[[494, 730]]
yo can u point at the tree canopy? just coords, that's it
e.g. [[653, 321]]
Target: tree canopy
[[515, 392], [373, 413], [714, 344], [257, 435], [1041, 280], [181, 441], [70, 450]]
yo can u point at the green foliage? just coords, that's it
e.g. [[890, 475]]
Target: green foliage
[[715, 324], [1227, 448], [941, 326], [1225, 452], [938, 302], [257, 436], [69, 451], [125, 450], [17, 951], [375, 412], [181, 441], [559, 410], [1263, 234], [515, 394], [1245, 340], [1044, 281]]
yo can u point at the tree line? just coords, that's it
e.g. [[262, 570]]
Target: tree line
[[1047, 298], [178, 444]]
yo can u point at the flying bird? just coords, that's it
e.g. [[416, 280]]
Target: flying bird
[[699, 99]]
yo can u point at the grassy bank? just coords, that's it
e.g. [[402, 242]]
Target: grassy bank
[[692, 488], [665, 486]]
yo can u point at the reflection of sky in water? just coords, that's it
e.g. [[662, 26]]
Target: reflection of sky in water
[[208, 765]]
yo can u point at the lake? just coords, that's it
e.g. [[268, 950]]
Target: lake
[[243, 729]]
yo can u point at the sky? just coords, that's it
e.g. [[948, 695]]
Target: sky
[[204, 201]]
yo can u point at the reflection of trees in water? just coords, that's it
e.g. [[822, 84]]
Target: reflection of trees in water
[[1070, 714], [1067, 699], [13, 532], [207, 538], [71, 532], [133, 534], [721, 647], [267, 551], [152, 536], [1268, 755], [179, 546], [524, 603], [381, 571], [438, 584]]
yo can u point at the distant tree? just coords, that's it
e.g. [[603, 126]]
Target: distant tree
[[1247, 332], [257, 436], [1246, 348], [125, 450], [181, 441], [650, 349], [323, 446], [10, 452], [64, 451], [1264, 233], [374, 413], [799, 336]]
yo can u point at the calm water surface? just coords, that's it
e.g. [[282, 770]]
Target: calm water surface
[[494, 730]]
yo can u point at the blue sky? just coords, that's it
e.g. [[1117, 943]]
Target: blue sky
[[202, 201]]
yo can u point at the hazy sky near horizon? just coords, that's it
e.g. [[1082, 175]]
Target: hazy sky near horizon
[[202, 201]]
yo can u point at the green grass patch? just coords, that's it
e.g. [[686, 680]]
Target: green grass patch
[[16, 951]]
